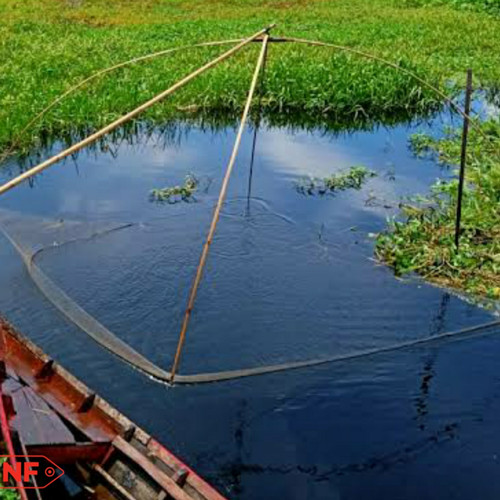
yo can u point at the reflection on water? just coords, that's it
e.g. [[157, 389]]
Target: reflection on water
[[289, 277]]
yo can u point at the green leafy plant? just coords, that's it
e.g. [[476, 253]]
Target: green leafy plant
[[80, 38], [354, 178], [175, 194], [6, 494], [423, 241]]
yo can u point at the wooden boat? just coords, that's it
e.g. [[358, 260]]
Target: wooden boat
[[46, 411]]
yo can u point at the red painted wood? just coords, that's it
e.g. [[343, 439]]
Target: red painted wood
[[64, 454]]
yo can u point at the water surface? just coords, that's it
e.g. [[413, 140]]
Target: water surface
[[289, 277]]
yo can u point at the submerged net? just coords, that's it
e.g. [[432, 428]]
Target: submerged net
[[62, 232], [33, 236]]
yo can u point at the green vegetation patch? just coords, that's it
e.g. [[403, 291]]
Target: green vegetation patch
[[48, 46], [175, 194], [490, 6], [424, 241], [354, 178], [6, 494]]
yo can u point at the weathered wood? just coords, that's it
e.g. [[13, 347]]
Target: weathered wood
[[164, 481], [128, 434], [70, 453], [114, 484], [87, 403], [46, 370], [61, 394], [180, 477], [193, 480], [36, 422]]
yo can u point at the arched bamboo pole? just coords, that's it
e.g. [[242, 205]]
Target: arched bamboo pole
[[161, 53], [397, 67], [120, 121], [102, 72]]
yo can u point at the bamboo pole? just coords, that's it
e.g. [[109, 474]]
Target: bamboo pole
[[397, 67], [218, 208], [120, 121], [104, 71]]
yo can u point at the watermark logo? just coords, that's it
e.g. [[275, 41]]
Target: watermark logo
[[33, 472]]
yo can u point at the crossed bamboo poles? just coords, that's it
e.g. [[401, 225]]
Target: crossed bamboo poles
[[261, 36]]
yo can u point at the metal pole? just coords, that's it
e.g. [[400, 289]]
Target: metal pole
[[463, 156], [132, 114], [218, 208]]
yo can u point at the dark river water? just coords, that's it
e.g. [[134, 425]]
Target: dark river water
[[290, 277]]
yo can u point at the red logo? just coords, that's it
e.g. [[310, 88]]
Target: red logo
[[30, 472]]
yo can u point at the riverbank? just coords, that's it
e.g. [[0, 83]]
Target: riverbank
[[423, 242], [46, 47]]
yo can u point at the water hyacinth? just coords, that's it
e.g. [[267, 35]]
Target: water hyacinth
[[80, 38], [176, 194], [423, 241], [354, 178]]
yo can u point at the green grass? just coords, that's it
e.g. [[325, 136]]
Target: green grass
[[424, 241], [491, 6], [7, 494], [46, 46]]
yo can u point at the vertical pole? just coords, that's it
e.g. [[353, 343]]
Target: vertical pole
[[257, 126], [463, 156], [218, 208]]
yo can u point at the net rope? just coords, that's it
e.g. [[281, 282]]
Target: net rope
[[73, 312], [103, 336]]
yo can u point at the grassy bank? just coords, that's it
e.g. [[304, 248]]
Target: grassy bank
[[424, 241], [490, 6], [46, 46]]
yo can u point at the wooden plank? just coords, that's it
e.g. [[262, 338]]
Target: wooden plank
[[36, 422], [118, 487], [63, 392], [193, 480], [102, 423], [164, 481], [71, 453]]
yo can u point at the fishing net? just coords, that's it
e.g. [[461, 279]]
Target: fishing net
[[345, 326], [32, 237]]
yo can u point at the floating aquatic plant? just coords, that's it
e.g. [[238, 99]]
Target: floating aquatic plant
[[354, 178], [175, 194], [81, 37], [423, 241]]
